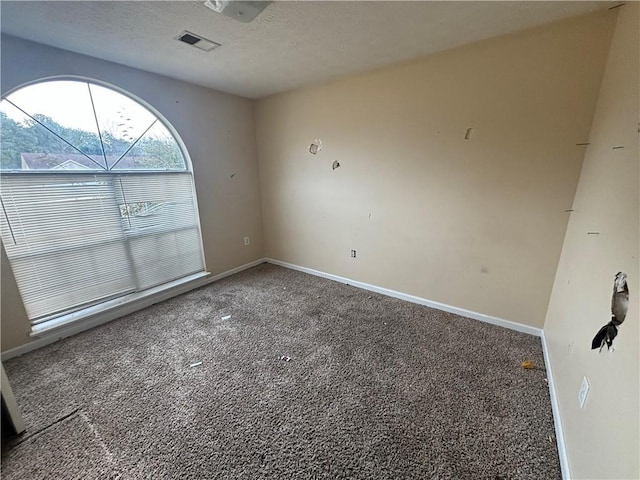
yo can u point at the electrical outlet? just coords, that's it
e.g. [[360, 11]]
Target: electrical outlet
[[353, 254], [247, 241], [582, 394]]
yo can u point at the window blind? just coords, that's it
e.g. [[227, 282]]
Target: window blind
[[162, 226], [77, 239]]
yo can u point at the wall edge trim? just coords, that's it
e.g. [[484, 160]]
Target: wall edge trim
[[414, 299], [120, 311], [555, 408]]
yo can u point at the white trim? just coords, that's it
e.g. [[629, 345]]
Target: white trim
[[10, 403], [93, 319], [155, 295], [555, 408], [140, 304], [413, 299], [125, 309], [239, 269]]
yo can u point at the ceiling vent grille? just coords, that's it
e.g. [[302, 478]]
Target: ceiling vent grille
[[197, 41]]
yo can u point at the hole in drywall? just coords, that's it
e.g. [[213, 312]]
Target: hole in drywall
[[620, 298], [619, 307], [316, 146], [335, 165], [468, 134]]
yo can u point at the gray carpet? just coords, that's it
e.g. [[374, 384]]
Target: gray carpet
[[374, 388]]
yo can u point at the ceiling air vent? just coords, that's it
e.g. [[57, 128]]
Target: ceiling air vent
[[197, 41]]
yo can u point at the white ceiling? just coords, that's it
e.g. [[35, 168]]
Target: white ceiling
[[291, 44]]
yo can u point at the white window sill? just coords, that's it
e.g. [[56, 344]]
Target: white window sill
[[118, 307]]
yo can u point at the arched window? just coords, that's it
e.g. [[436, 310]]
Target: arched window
[[98, 200]]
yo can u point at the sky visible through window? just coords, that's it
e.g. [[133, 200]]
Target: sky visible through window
[[68, 103]]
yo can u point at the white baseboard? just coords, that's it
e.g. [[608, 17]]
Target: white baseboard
[[555, 408], [138, 305], [413, 299], [122, 310], [233, 271], [562, 452], [47, 337]]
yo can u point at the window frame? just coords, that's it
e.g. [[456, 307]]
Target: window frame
[[141, 298]]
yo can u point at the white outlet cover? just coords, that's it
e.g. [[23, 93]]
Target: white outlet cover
[[582, 393], [247, 241]]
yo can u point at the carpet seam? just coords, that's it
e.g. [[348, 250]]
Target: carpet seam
[[38, 433]]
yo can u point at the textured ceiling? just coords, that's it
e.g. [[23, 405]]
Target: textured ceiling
[[289, 45]]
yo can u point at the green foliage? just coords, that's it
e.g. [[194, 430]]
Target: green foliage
[[31, 137], [11, 142], [159, 153]]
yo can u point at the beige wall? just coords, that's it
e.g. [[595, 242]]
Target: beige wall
[[602, 439], [217, 129], [477, 224]]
